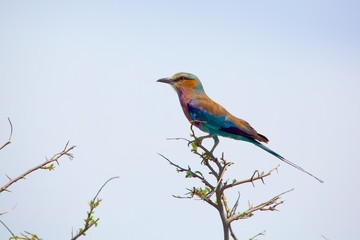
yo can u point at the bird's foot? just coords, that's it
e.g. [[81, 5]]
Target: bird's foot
[[197, 142]]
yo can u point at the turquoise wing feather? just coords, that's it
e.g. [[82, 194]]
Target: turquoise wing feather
[[219, 125]]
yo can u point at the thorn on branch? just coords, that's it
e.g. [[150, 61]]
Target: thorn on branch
[[8, 177], [259, 176]]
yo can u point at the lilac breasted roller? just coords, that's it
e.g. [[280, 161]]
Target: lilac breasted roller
[[214, 119]]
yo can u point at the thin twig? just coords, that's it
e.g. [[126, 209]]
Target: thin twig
[[110, 179], [259, 234], [8, 229], [11, 132], [2, 213], [182, 197], [187, 140], [234, 208]]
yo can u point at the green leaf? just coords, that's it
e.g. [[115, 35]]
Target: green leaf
[[189, 174], [194, 146]]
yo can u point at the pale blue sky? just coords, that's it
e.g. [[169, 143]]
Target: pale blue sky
[[85, 71]]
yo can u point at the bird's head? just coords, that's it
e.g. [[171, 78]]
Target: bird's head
[[184, 82]]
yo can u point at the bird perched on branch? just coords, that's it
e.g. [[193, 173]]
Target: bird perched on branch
[[214, 119]]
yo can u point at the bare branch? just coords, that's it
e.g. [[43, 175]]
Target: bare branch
[[90, 221], [44, 165], [11, 132]]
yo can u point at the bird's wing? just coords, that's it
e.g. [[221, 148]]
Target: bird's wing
[[216, 118]]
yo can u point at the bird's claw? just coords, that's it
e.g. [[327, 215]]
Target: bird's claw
[[197, 142]]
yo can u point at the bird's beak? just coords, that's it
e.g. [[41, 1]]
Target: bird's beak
[[165, 80]]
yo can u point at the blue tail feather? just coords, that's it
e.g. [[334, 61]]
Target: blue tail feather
[[283, 159]]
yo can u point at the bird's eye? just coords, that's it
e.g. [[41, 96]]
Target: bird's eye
[[179, 79]]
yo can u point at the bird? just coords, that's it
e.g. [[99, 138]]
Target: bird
[[212, 118]]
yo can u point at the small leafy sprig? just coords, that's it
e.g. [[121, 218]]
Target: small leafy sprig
[[90, 219]]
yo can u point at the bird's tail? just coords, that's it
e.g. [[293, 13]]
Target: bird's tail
[[284, 159]]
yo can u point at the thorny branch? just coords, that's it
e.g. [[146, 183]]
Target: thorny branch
[[269, 205], [47, 165], [213, 191]]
